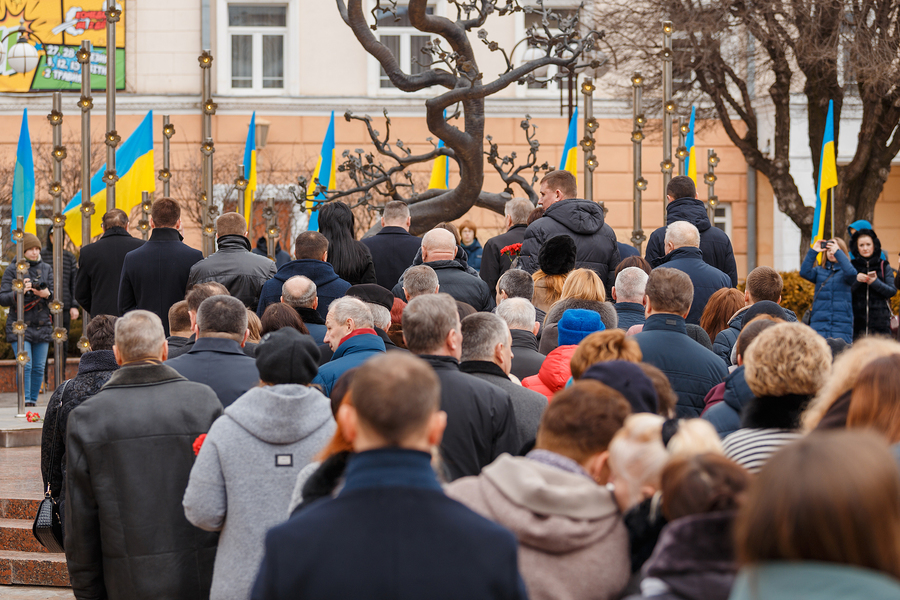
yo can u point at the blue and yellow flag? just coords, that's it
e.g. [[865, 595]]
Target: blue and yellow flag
[[691, 167], [440, 174], [23, 180], [326, 171], [827, 178], [569, 161], [134, 165], [250, 168]]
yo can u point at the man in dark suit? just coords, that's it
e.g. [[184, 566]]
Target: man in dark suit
[[217, 357], [100, 266], [391, 527], [493, 264], [155, 276], [393, 248]]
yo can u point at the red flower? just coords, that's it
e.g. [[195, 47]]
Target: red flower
[[512, 250], [32, 417], [198, 443]]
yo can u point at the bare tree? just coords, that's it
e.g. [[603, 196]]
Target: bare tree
[[730, 51]]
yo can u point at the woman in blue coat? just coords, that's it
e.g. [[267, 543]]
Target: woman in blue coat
[[832, 309]]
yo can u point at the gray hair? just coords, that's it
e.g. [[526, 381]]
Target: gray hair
[[299, 292], [682, 233], [481, 333], [351, 308], [222, 314], [518, 210], [380, 315], [630, 285], [420, 280], [517, 284], [518, 313], [427, 320], [439, 239], [395, 211], [139, 334]]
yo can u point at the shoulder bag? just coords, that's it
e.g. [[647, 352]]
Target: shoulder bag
[[47, 526]]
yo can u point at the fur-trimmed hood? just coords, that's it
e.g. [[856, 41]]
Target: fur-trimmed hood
[[774, 412]]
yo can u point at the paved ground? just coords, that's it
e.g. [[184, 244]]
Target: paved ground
[[30, 592]]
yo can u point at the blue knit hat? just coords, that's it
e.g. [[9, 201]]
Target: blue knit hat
[[576, 324], [629, 380]]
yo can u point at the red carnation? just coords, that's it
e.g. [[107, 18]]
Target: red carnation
[[198, 443], [512, 250]]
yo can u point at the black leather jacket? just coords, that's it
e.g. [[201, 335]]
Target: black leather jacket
[[235, 267]]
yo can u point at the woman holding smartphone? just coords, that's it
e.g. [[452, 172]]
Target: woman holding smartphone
[[873, 288], [831, 314]]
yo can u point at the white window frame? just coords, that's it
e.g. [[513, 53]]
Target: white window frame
[[291, 33], [553, 88], [405, 58], [723, 222]]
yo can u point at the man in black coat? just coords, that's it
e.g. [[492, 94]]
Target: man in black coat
[[130, 454], [481, 422], [217, 358], [519, 314], [233, 265], [439, 253], [582, 220], [393, 248], [390, 532], [155, 276], [685, 206], [683, 253], [100, 266], [494, 264]]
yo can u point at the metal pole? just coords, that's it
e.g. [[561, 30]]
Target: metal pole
[[56, 306], [241, 184], [144, 223], [272, 232], [208, 108], [112, 138], [588, 143], [751, 219], [19, 325], [668, 110], [86, 103], [165, 175], [211, 208], [681, 151], [712, 159], [637, 136]]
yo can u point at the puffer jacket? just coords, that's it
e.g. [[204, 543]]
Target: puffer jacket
[[832, 310], [871, 302], [725, 340], [583, 220], [725, 416], [39, 328], [235, 267], [474, 251], [554, 373], [714, 242], [856, 226]]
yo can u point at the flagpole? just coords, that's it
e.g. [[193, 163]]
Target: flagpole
[[831, 204]]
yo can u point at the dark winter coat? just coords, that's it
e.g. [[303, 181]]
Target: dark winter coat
[[481, 421], [493, 264], [630, 314], [584, 222], [393, 250], [235, 267], [707, 280], [832, 310], [314, 322], [351, 353], [726, 415], [418, 542], [526, 359], [692, 369], [37, 310], [694, 558], [94, 370], [155, 276], [871, 302], [183, 347], [626, 250], [130, 455], [329, 286], [714, 243], [69, 274], [100, 271], [473, 251], [456, 281], [281, 257], [725, 340], [221, 364], [645, 523]]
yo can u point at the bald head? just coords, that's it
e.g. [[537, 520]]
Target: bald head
[[680, 234], [299, 292], [438, 244]]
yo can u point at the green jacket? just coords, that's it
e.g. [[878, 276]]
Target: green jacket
[[813, 581]]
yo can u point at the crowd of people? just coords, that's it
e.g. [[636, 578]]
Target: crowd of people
[[377, 419]]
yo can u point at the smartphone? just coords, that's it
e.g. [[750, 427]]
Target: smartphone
[[871, 273]]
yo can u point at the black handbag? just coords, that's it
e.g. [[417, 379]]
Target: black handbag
[[47, 528]]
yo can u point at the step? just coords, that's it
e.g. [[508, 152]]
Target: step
[[31, 568], [16, 534], [20, 438], [18, 508]]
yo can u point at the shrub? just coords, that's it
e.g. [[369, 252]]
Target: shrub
[[797, 294]]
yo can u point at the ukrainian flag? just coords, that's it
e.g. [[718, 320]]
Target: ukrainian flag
[[691, 167], [326, 171], [440, 174], [569, 160], [134, 165], [250, 168], [23, 181], [827, 177]]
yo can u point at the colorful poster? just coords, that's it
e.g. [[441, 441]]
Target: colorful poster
[[57, 28]]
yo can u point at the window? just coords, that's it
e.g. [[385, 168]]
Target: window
[[404, 41], [256, 39], [682, 74], [722, 218], [543, 74]]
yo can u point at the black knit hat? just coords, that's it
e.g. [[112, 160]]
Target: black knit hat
[[373, 294], [557, 255], [629, 380], [287, 356]]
